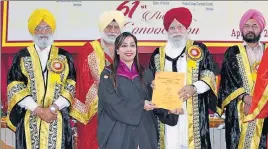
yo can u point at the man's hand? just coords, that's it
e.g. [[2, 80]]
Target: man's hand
[[148, 105], [186, 92], [176, 111], [39, 111], [247, 99], [48, 116]]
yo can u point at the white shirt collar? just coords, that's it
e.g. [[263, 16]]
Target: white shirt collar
[[259, 46], [46, 50], [173, 51], [254, 54], [43, 55]]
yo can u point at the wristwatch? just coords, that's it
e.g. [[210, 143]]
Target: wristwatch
[[53, 109]]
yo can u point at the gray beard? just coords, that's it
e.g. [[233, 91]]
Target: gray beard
[[108, 39], [43, 41], [177, 42]]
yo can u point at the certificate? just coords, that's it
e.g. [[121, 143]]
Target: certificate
[[167, 86]]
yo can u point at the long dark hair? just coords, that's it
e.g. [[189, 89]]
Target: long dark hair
[[118, 42]]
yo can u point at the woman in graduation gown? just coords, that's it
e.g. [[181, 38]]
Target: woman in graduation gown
[[126, 117]]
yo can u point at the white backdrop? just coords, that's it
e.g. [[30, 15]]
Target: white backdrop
[[77, 20]]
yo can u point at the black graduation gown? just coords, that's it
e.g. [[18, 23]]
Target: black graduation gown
[[26, 73], [206, 71], [122, 121], [234, 82]]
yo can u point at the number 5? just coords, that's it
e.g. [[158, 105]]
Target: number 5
[[126, 8]]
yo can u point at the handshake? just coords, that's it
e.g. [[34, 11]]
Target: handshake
[[47, 114]]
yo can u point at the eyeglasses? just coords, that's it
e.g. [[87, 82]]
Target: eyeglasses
[[45, 29], [173, 27], [110, 27], [254, 27]]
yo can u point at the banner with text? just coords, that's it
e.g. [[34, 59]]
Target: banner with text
[[77, 20]]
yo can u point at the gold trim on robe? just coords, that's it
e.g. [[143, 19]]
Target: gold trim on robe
[[68, 91], [16, 91], [194, 140], [83, 112], [55, 84], [230, 98], [162, 125], [250, 131], [35, 128], [33, 71], [210, 79]]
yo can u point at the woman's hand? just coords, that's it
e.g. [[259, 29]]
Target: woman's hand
[[148, 105], [153, 85]]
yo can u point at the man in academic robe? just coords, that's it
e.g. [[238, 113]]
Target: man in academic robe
[[183, 55], [238, 77], [93, 58], [41, 86], [259, 104]]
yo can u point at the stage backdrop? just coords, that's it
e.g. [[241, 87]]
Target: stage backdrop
[[214, 23], [77, 20]]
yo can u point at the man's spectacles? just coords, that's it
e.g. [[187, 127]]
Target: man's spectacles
[[45, 29], [254, 27]]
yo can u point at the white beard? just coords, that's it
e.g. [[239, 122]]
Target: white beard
[[43, 41], [177, 41], [109, 38]]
